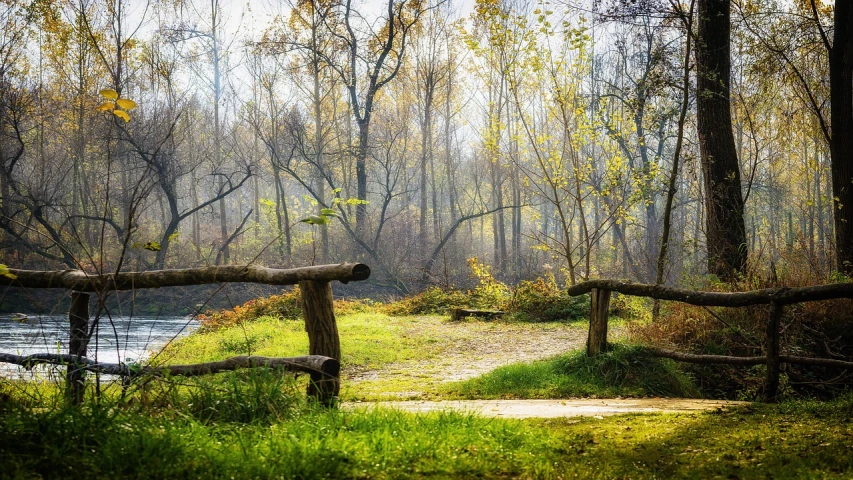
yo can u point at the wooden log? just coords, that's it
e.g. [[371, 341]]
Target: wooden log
[[599, 305], [85, 282], [771, 387], [78, 317], [459, 314], [315, 365], [783, 296], [729, 360], [323, 339], [705, 359]]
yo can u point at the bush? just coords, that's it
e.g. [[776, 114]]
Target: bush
[[542, 300], [287, 305], [432, 301]]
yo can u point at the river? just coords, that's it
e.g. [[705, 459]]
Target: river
[[119, 340]]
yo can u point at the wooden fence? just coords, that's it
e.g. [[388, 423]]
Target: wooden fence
[[324, 348], [777, 298]]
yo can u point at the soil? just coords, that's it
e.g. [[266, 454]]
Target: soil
[[470, 348]]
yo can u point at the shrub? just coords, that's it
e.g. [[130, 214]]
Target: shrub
[[432, 301], [542, 300], [812, 329], [287, 305]]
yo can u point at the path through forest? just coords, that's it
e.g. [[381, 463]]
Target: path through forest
[[467, 349]]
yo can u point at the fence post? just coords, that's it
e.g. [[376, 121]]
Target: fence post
[[323, 339], [78, 317], [772, 350], [599, 304]]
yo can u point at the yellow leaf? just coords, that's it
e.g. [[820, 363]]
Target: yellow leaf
[[126, 103], [109, 93], [106, 107], [122, 115]]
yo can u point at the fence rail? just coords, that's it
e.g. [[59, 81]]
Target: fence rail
[[322, 363], [777, 298]]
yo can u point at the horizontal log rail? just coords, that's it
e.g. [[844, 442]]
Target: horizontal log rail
[[782, 296], [731, 360], [81, 281], [310, 364], [324, 371]]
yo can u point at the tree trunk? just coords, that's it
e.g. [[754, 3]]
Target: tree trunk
[[725, 228], [841, 142]]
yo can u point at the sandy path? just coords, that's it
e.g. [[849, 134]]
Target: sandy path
[[467, 349]]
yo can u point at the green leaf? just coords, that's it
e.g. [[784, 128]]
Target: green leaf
[[4, 271], [328, 212], [152, 246]]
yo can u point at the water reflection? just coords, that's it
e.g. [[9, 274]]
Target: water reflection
[[118, 339]]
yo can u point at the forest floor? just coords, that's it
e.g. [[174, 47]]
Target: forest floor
[[463, 350]]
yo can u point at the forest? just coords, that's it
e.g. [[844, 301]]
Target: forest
[[634, 140], [580, 239]]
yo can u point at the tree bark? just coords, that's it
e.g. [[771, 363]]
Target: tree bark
[[783, 296], [323, 339], [725, 228], [841, 141], [597, 340], [771, 388], [78, 317], [84, 282]]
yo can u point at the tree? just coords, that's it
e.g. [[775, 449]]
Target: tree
[[841, 141], [724, 205]]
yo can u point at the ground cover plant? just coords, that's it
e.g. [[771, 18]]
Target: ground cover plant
[[623, 371], [112, 440]]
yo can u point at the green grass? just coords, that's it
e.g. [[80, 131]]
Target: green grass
[[370, 339], [624, 371], [793, 440]]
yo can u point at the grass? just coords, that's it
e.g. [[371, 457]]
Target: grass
[[792, 440], [369, 339], [624, 371], [412, 354], [258, 424]]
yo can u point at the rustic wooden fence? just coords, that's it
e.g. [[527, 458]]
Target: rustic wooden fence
[[324, 348], [777, 298]]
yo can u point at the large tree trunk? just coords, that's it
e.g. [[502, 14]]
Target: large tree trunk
[[841, 143], [725, 229]]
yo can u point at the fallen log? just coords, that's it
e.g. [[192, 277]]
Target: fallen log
[[85, 282], [461, 313]]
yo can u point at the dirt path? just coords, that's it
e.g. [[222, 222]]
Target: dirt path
[[463, 350], [597, 408]]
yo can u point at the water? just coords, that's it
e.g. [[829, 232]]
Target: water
[[122, 340]]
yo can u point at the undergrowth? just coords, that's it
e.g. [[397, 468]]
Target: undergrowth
[[821, 329], [114, 440], [538, 300]]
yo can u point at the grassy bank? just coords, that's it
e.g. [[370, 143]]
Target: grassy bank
[[624, 371], [794, 440]]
